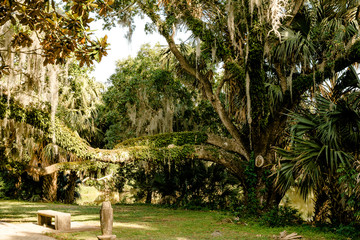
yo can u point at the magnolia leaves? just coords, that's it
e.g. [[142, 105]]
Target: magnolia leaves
[[61, 34]]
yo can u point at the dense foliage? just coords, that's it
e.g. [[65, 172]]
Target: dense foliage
[[183, 183], [322, 158], [145, 98], [27, 136]]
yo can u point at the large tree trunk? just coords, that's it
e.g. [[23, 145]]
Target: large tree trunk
[[260, 193], [50, 187], [148, 197]]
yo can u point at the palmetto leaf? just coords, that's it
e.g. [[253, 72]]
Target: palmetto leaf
[[295, 46], [319, 145]]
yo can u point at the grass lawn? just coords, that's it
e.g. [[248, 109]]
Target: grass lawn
[[152, 222]]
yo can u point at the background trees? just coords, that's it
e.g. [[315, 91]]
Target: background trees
[[79, 100], [37, 40], [146, 97]]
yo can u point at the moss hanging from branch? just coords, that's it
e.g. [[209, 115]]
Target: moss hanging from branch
[[176, 146], [166, 139], [35, 117]]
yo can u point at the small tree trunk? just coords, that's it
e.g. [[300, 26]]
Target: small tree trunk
[[321, 208], [148, 196]]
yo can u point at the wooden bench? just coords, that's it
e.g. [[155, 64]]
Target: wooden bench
[[62, 220]]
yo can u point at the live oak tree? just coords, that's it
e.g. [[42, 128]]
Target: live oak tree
[[272, 52]]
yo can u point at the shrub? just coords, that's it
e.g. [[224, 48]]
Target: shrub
[[181, 183], [281, 216], [22, 187], [350, 231]]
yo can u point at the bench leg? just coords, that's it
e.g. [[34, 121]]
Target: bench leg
[[62, 222], [44, 220]]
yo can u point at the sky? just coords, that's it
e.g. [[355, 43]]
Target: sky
[[120, 47]]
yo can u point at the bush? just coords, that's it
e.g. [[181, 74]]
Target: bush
[[351, 231], [183, 183], [2, 188], [22, 187], [281, 216]]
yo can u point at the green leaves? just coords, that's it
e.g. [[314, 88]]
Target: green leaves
[[325, 142], [60, 35], [146, 98], [166, 139]]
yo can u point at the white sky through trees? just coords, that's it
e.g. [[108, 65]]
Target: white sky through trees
[[121, 48]]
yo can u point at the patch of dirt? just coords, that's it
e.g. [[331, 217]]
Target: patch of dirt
[[23, 231], [32, 231]]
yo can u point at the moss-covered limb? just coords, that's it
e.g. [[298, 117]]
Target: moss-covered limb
[[71, 141], [145, 153], [229, 160], [227, 144], [52, 168], [77, 165], [176, 146], [185, 138], [142, 149], [166, 139]]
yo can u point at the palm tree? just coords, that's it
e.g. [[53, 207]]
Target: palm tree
[[324, 145]]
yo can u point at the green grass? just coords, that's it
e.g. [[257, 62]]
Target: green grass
[[152, 222]]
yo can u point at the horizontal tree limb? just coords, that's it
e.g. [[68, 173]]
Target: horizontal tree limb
[[130, 154]]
